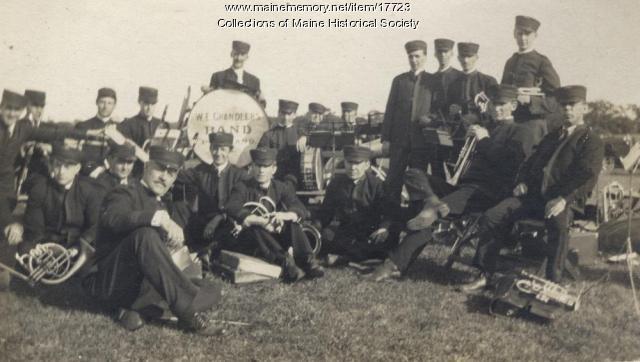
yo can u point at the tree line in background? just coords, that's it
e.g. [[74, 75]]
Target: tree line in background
[[608, 118]]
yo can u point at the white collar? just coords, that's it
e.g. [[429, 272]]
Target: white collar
[[444, 69], [571, 129], [525, 51], [263, 188], [33, 121], [67, 187], [470, 72], [104, 120], [418, 71], [220, 169], [11, 128], [239, 72]]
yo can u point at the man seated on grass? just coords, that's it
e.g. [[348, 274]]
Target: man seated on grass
[[120, 161], [356, 215], [271, 236], [136, 233]]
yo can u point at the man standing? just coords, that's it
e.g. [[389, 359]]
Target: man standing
[[120, 164], [142, 126], [96, 151], [312, 119], [137, 229], [408, 107], [285, 137], [553, 183], [236, 77], [445, 76], [356, 201], [272, 236], [34, 161]]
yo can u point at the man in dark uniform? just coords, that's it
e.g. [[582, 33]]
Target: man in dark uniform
[[408, 108], [270, 237], [236, 77], [527, 68], [64, 207], [288, 140], [120, 164], [553, 183], [142, 126], [213, 184], [445, 76], [493, 165], [96, 152], [34, 161], [357, 203], [136, 232], [312, 119], [13, 135]]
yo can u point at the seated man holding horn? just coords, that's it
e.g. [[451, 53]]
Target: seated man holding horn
[[137, 230], [272, 234]]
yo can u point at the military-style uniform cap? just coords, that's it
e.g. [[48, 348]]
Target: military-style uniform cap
[[503, 93], [221, 139], [527, 23], [417, 184], [414, 45], [13, 99], [148, 95], [35, 97], [571, 94], [356, 153], [264, 156], [66, 154], [286, 106], [166, 157], [468, 49], [107, 92], [124, 152], [349, 106], [240, 47], [317, 108], [443, 44]]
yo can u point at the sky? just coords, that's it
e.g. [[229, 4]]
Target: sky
[[71, 48]]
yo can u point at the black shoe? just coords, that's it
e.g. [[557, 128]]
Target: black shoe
[[130, 319], [423, 220], [312, 268], [480, 283], [290, 271], [387, 270], [197, 323]]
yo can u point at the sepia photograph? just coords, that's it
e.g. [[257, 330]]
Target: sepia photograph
[[319, 180]]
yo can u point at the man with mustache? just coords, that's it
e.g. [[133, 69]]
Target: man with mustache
[[138, 228]]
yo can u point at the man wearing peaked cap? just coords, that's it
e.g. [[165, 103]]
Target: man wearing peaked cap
[[288, 139], [96, 151], [236, 77], [357, 201], [209, 230], [259, 233], [312, 119], [527, 68], [445, 75], [138, 229], [408, 104], [120, 162], [36, 101], [465, 90], [553, 183], [34, 154]]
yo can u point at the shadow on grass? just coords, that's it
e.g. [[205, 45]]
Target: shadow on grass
[[433, 270], [66, 296]]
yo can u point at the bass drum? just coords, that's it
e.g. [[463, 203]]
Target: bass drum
[[230, 111], [312, 170]]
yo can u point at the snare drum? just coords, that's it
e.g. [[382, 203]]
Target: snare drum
[[311, 169]]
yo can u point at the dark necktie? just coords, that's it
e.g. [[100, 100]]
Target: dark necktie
[[221, 188]]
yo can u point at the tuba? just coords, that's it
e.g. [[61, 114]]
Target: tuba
[[51, 263]]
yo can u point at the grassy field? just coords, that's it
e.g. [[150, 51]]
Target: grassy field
[[339, 317]]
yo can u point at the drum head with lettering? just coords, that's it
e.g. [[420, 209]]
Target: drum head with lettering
[[229, 111]]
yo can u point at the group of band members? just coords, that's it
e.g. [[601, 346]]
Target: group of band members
[[96, 196]]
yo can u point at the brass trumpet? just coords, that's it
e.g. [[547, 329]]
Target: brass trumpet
[[463, 162]]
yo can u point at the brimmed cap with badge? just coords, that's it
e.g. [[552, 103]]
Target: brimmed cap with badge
[[414, 45], [468, 49], [264, 156], [124, 152], [349, 106], [148, 95], [166, 157], [65, 154], [240, 47], [571, 94], [12, 99], [443, 45], [35, 97], [221, 139], [356, 154], [317, 108], [106, 92], [527, 23], [502, 93], [286, 106]]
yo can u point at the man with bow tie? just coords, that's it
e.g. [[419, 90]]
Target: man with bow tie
[[96, 151], [553, 183]]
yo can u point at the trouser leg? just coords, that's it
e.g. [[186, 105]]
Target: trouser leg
[[557, 244], [7, 252], [411, 246], [398, 161]]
